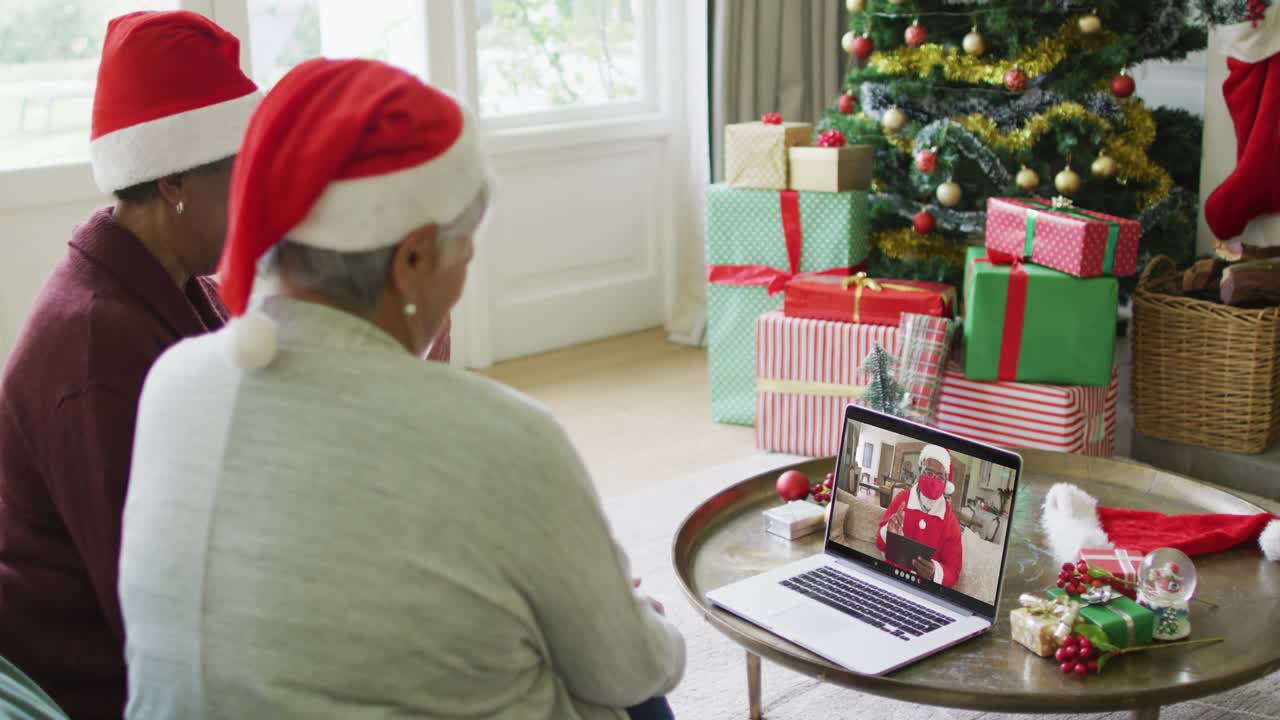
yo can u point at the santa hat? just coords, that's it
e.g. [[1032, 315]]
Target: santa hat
[[344, 155], [1073, 521], [170, 97], [943, 456]]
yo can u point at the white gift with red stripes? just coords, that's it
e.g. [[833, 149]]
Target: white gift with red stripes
[[806, 373], [1065, 418]]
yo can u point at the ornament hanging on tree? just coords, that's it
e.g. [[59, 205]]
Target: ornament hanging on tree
[[1028, 179], [923, 222], [861, 47], [855, 6], [1015, 79], [846, 104], [1067, 181], [974, 44], [1122, 85], [894, 120], [846, 42], [1104, 166], [949, 193], [1089, 24], [915, 34], [927, 160]]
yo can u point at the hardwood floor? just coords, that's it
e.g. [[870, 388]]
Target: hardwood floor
[[637, 408]]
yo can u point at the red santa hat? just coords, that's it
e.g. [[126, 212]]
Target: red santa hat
[[1073, 521], [170, 97], [943, 456], [345, 155]]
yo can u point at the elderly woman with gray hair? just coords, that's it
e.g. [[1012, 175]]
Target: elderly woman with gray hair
[[321, 525]]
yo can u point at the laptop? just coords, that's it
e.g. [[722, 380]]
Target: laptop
[[853, 604]]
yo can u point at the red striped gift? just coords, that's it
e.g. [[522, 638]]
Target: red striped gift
[[1119, 562], [1065, 418], [806, 373]]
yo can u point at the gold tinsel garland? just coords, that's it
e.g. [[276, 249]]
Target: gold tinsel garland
[[1033, 129], [958, 66], [906, 243], [1129, 149]]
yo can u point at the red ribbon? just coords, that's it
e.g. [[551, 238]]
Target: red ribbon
[[1015, 312], [771, 277]]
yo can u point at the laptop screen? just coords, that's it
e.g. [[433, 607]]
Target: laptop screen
[[924, 506]]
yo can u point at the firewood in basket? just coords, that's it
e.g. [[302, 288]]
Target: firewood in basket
[[1239, 252], [1203, 276], [1254, 283]]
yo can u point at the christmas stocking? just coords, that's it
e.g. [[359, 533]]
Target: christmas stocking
[[1252, 92]]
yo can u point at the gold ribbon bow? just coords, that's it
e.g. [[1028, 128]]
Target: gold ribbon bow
[[1066, 610], [860, 280]]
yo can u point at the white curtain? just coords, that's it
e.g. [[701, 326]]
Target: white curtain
[[779, 56]]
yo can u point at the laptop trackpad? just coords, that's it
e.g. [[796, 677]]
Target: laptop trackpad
[[799, 620]]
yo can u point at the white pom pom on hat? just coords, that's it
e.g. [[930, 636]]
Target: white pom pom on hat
[[250, 341]]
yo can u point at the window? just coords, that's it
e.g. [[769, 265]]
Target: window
[[535, 56], [49, 53]]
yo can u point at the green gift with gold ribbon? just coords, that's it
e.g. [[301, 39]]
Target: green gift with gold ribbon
[[1055, 234], [1125, 622]]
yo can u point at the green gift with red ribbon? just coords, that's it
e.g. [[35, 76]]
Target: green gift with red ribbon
[[1056, 235], [1028, 323], [756, 241]]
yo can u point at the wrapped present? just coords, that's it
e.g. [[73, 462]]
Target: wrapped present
[[756, 241], [755, 153], [830, 169], [808, 373], [1121, 563], [1041, 624], [925, 341], [1126, 623], [795, 519], [1034, 324], [860, 299], [1062, 418], [1054, 234]]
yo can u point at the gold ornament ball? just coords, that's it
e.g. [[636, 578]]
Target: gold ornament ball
[[894, 120], [1067, 181], [974, 44], [1089, 24], [846, 42], [1027, 178], [1104, 166], [855, 6], [949, 193]]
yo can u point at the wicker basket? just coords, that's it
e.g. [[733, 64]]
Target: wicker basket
[[1203, 373]]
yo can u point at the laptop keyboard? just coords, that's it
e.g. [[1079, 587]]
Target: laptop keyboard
[[895, 615]]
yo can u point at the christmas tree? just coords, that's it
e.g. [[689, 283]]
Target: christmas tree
[[884, 392], [966, 100]]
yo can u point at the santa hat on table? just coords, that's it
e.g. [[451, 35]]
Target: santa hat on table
[[170, 97], [933, 490], [345, 155], [1073, 521]]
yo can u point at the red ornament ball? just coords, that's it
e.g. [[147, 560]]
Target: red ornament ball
[[831, 138], [1122, 85], [1016, 80], [916, 35], [923, 222], [792, 485], [771, 119], [926, 161], [846, 104], [863, 47]]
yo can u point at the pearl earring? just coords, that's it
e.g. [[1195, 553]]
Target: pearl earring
[[178, 208], [410, 309]]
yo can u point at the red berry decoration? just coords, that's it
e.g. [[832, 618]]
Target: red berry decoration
[[1092, 666], [1068, 567], [1016, 80], [927, 161], [1067, 668], [831, 139], [1081, 668], [771, 119], [863, 47], [923, 222], [916, 35], [1122, 85], [846, 104]]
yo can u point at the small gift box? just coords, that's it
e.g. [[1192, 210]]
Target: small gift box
[[831, 169], [795, 519], [860, 299], [755, 153], [925, 342], [1038, 624], [1054, 234], [1121, 563], [1126, 623]]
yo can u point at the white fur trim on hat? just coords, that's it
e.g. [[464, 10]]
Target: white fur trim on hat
[[170, 144], [1269, 541], [378, 211], [1070, 522], [250, 341], [1243, 41]]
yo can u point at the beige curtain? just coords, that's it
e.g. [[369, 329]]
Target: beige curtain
[[779, 56]]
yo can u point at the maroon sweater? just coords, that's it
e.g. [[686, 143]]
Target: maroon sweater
[[68, 399]]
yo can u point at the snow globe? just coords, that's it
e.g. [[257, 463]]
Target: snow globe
[[1166, 584]]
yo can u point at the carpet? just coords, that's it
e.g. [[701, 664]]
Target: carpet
[[715, 685]]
